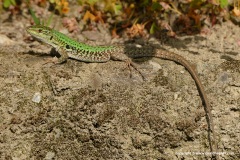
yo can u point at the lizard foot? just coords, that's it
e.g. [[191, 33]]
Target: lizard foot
[[132, 64], [53, 60]]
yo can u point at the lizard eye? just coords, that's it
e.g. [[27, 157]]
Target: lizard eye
[[51, 37], [40, 30], [67, 46]]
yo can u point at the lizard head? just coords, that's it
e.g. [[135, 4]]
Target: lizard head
[[41, 32]]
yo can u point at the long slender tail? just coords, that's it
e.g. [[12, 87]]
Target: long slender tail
[[181, 60], [138, 52], [163, 54]]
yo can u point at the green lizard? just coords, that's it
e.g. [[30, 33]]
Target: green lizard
[[68, 47]]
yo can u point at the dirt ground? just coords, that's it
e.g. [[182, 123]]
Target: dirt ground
[[80, 110]]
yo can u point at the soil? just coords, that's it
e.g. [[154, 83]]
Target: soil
[[80, 110]]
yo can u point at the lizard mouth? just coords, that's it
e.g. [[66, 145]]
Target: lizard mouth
[[31, 31]]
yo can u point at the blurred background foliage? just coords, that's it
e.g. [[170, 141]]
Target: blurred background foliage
[[135, 16]]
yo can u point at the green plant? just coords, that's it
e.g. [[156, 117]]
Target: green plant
[[37, 20], [8, 3]]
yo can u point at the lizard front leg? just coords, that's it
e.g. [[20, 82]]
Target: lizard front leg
[[64, 55]]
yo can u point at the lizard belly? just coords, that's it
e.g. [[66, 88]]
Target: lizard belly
[[89, 56]]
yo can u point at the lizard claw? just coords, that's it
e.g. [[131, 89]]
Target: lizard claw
[[131, 64], [50, 60], [53, 60]]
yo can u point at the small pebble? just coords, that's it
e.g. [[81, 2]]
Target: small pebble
[[49, 155], [36, 97]]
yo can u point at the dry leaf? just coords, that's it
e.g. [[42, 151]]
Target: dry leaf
[[88, 16], [236, 11]]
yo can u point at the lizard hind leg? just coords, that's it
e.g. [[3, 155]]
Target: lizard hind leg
[[130, 64], [123, 57]]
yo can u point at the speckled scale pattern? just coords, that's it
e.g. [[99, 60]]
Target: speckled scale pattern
[[81, 51], [74, 49]]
